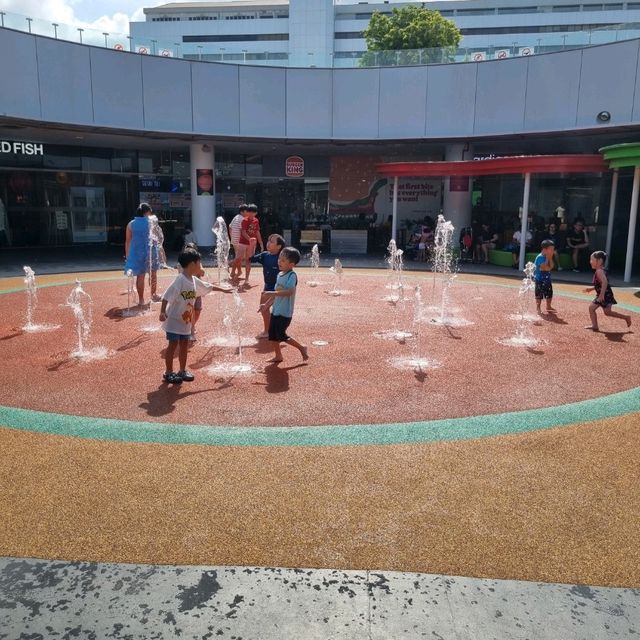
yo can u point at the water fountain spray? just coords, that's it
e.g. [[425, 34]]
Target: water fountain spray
[[130, 286], [443, 262], [338, 273], [416, 362], [32, 296], [315, 266], [524, 336], [223, 245], [81, 305], [395, 261], [156, 253], [232, 322], [32, 304]]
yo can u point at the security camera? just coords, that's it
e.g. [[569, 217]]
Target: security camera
[[604, 116]]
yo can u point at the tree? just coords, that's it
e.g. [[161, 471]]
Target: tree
[[410, 35]]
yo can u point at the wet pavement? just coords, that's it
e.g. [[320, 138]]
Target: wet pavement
[[42, 600]]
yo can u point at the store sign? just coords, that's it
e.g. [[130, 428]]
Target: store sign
[[294, 167], [458, 184], [501, 54], [526, 51], [479, 56], [150, 184], [141, 49], [21, 148], [166, 53]]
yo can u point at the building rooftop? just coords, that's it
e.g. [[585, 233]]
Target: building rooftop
[[231, 6]]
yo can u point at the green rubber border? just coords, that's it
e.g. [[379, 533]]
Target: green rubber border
[[470, 428], [453, 429]]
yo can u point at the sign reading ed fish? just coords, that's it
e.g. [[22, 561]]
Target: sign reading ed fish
[[294, 167], [21, 148]]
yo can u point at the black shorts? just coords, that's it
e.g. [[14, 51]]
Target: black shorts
[[278, 328], [544, 289]]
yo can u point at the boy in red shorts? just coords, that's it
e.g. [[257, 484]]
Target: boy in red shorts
[[249, 237]]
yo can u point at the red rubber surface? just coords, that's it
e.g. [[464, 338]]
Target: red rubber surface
[[349, 381]]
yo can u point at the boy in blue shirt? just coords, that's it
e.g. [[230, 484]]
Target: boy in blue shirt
[[270, 269], [281, 301], [542, 275]]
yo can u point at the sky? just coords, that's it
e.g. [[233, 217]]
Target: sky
[[104, 15]]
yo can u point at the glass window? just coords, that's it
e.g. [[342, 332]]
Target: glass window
[[565, 8], [475, 12], [514, 10]]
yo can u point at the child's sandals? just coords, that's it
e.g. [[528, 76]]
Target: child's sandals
[[172, 378]]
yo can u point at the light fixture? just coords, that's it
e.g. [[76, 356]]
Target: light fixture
[[604, 116]]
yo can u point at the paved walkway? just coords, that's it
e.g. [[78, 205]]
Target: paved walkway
[[77, 259], [52, 599]]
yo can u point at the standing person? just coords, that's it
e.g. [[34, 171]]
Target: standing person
[[604, 293], [197, 305], [234, 235], [281, 301], [578, 242], [250, 237], [270, 269], [542, 275], [138, 257], [177, 313]]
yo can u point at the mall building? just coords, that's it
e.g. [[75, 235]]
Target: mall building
[[87, 132], [322, 33]]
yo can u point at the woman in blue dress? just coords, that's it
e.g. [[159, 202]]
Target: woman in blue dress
[[137, 242]]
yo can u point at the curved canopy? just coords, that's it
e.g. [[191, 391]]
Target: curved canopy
[[497, 166], [622, 155]]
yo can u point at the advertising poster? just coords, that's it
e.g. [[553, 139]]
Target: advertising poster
[[357, 191], [204, 182]]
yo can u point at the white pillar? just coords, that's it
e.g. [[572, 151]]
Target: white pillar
[[525, 218], [394, 210], [456, 202], [203, 206], [633, 218], [612, 212]]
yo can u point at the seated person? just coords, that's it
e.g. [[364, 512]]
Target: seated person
[[577, 243], [466, 243], [554, 235], [411, 248], [424, 243], [514, 247], [485, 241]]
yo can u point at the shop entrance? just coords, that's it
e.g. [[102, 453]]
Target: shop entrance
[[88, 214]]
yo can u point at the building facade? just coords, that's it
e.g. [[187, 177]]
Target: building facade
[[305, 33], [86, 133]]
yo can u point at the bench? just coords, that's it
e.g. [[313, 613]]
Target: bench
[[503, 258], [311, 236]]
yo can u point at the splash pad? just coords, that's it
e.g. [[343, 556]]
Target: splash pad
[[355, 379]]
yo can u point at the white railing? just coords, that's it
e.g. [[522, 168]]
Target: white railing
[[532, 44]]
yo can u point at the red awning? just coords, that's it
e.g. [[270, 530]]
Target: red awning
[[496, 166]]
